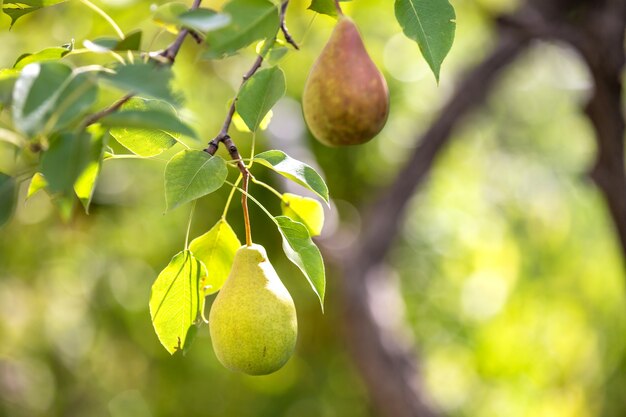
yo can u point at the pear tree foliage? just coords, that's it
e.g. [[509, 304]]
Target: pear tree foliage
[[54, 124]]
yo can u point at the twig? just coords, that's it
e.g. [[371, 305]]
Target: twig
[[171, 51], [283, 25], [223, 134], [111, 109], [338, 7]]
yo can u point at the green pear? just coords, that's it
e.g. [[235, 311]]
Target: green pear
[[345, 99], [253, 321]]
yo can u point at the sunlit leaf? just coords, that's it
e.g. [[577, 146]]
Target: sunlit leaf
[[252, 20], [259, 94], [430, 23], [85, 184], [305, 210], [7, 82], [301, 250], [145, 142], [37, 182], [18, 8], [8, 195], [294, 170], [177, 300], [192, 174], [216, 249], [326, 7], [48, 54], [150, 119]]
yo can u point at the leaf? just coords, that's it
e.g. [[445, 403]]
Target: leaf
[[177, 300], [241, 126], [294, 170], [37, 183], [203, 20], [259, 94], [131, 42], [18, 8], [75, 100], [142, 78], [148, 119], [167, 14], [304, 210], [326, 7], [64, 160], [7, 82], [85, 185], [192, 174], [301, 250], [251, 20], [48, 54], [431, 23], [216, 249], [35, 94], [145, 142], [8, 195]]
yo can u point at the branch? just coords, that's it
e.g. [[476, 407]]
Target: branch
[[607, 25], [283, 25], [171, 51], [387, 362]]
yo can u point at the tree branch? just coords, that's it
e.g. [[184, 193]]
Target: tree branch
[[283, 25]]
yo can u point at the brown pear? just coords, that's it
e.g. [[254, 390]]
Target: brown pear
[[345, 99]]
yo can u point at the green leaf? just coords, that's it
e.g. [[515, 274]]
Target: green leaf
[[37, 182], [142, 78], [192, 174], [8, 195], [177, 301], [259, 94], [18, 8], [48, 54], [36, 93], [167, 14], [326, 7], [252, 20], [203, 20], [294, 170], [85, 185], [431, 23], [216, 249], [75, 100], [145, 142], [131, 42], [7, 82], [305, 210], [301, 250], [64, 160], [151, 119]]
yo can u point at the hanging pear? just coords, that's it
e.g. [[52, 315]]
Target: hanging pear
[[253, 319], [345, 99]]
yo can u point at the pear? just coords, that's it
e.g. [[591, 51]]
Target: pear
[[253, 319], [345, 99]]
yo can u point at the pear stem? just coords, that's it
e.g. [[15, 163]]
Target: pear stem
[[338, 7]]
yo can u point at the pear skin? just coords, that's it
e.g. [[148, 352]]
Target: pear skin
[[253, 321], [345, 99]]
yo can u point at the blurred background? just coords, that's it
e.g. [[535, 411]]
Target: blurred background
[[508, 266]]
